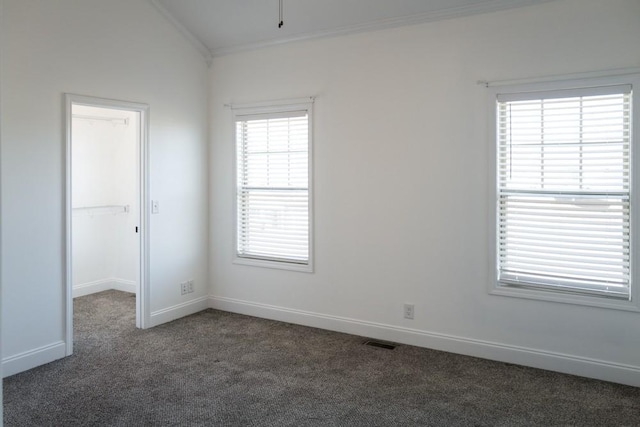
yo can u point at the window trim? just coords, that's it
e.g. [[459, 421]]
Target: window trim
[[271, 107], [559, 85]]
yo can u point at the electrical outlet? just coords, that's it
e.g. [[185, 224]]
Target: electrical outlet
[[186, 287], [408, 311]]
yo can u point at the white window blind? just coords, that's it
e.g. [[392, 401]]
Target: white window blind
[[273, 186], [564, 190]]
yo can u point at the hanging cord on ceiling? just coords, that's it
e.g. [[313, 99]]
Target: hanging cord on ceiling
[[281, 23]]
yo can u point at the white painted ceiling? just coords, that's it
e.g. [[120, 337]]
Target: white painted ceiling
[[223, 26]]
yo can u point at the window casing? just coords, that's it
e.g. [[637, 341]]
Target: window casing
[[564, 194], [273, 191]]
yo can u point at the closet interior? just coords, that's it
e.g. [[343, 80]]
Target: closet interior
[[105, 200]]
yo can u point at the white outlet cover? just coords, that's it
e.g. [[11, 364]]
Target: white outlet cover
[[409, 311]]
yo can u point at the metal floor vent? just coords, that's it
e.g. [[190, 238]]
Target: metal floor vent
[[380, 344]]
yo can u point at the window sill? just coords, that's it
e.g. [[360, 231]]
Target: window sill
[[565, 298], [278, 265]]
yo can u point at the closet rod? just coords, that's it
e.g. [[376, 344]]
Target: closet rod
[[115, 120], [106, 209]]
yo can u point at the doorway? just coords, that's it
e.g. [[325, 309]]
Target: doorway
[[106, 213]]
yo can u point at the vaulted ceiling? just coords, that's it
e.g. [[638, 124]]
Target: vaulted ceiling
[[222, 26]]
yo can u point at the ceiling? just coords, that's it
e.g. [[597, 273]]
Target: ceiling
[[218, 27]]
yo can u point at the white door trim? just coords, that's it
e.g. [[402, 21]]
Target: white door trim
[[143, 312]]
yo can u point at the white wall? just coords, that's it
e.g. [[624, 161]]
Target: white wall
[[118, 49], [1, 95], [104, 171], [402, 180]]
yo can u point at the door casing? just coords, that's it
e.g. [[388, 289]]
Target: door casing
[[143, 314]]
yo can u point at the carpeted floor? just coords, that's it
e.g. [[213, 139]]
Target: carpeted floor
[[222, 369]]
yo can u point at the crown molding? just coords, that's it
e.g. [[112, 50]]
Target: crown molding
[[197, 43], [450, 13]]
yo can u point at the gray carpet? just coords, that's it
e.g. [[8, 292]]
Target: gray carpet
[[222, 369]]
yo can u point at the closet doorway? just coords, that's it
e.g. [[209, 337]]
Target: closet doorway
[[106, 238]]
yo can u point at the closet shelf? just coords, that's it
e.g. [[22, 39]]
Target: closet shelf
[[102, 210]]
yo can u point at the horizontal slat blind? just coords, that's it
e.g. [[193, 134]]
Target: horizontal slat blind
[[273, 187], [563, 193]]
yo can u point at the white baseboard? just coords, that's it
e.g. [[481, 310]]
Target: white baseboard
[[179, 310], [30, 359], [104, 285], [125, 285], [568, 364]]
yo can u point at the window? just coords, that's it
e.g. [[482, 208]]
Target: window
[[272, 186], [564, 196]]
